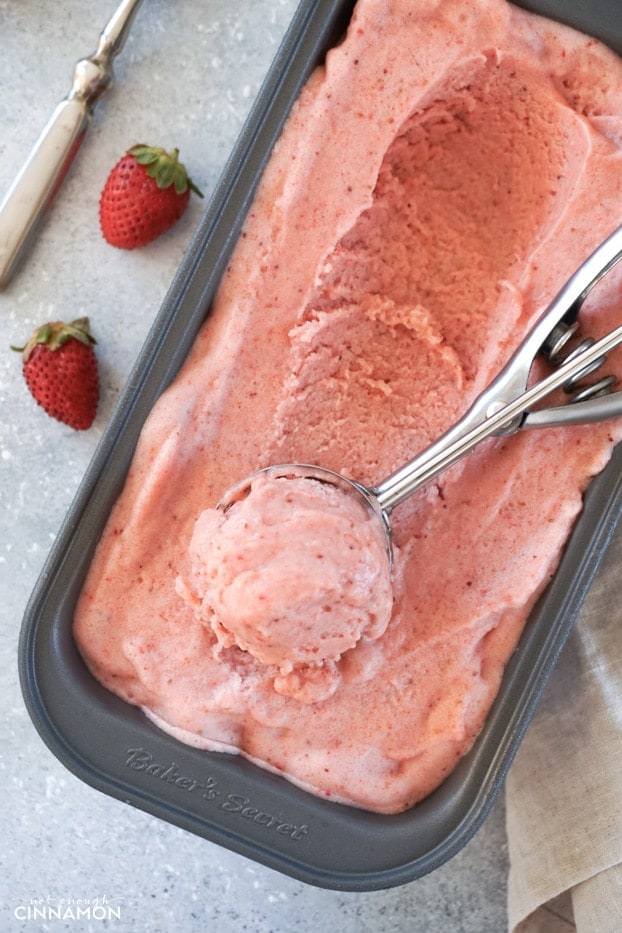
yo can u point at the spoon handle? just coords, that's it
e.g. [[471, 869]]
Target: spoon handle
[[425, 467], [42, 175]]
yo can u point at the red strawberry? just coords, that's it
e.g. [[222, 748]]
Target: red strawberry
[[146, 192], [60, 369]]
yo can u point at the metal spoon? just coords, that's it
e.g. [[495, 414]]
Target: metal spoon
[[36, 185], [491, 413]]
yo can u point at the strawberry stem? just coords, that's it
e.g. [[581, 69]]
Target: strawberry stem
[[164, 167], [55, 333]]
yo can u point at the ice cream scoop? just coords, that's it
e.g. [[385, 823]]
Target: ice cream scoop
[[503, 408]]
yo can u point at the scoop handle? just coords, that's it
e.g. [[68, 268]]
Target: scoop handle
[[426, 466]]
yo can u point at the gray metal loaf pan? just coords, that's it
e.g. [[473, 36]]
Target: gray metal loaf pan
[[113, 747]]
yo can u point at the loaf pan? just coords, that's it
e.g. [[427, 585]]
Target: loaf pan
[[113, 747]]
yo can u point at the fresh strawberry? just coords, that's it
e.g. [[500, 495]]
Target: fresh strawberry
[[60, 369], [146, 192]]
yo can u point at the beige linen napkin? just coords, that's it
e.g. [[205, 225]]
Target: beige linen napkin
[[564, 789]]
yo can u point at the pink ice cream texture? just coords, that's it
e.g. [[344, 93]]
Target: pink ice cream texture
[[442, 174], [295, 573]]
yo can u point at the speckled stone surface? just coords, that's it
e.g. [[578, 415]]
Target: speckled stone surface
[[186, 77]]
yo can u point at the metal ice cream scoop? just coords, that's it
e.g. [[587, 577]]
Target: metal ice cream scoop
[[506, 405], [48, 163]]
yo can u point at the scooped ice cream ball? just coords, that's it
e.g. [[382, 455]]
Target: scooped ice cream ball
[[295, 573]]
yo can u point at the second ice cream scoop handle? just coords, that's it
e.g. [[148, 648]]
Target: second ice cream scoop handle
[[37, 183], [48, 163]]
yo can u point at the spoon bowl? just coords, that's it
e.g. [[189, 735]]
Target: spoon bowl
[[364, 495]]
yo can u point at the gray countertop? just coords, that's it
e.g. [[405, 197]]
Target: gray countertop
[[186, 77]]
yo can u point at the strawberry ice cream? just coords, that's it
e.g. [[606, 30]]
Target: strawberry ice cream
[[441, 176], [295, 573]]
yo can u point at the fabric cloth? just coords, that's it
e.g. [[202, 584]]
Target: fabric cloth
[[564, 789]]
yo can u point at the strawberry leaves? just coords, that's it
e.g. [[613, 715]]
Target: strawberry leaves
[[165, 168]]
